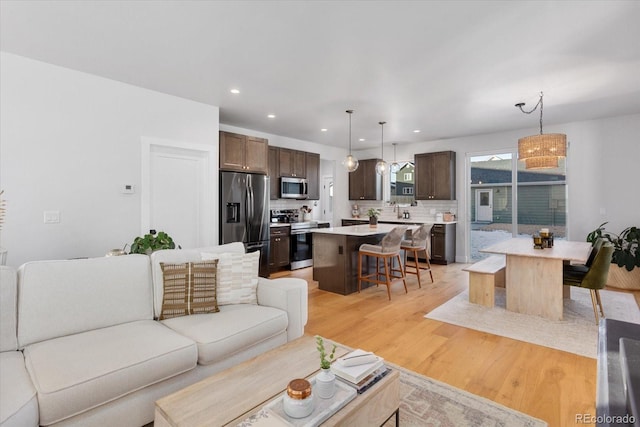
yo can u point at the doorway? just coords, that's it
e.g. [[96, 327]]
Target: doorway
[[177, 191], [326, 202], [484, 205]]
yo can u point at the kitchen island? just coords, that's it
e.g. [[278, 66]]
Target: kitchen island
[[335, 255]]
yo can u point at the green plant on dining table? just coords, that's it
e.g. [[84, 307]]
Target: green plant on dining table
[[325, 360], [626, 252]]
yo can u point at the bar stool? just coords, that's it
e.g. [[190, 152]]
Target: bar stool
[[387, 251], [419, 242]]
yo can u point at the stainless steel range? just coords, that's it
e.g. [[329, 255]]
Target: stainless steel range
[[302, 244]]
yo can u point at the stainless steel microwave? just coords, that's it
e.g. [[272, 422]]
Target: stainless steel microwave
[[293, 188]]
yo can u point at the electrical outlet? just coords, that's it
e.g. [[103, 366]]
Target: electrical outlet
[[128, 189]]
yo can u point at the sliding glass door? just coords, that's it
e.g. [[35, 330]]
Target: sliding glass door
[[506, 200], [490, 201], [542, 200]]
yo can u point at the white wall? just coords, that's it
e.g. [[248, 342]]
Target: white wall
[[69, 140], [602, 172]]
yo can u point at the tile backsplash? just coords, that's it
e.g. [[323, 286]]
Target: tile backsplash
[[426, 210]]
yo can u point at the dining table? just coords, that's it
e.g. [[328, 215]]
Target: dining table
[[533, 280]]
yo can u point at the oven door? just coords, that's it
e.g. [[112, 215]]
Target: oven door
[[301, 249]]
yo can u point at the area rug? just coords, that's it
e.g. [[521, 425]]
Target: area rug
[[426, 402], [578, 330]]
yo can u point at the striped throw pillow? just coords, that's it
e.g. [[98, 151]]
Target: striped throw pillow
[[189, 288], [237, 277]]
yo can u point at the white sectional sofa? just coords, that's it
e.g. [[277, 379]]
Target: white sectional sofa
[[94, 353]]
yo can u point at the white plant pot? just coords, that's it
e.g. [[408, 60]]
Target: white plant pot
[[325, 386]]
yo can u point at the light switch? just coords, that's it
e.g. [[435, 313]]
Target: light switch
[[51, 217], [128, 189]]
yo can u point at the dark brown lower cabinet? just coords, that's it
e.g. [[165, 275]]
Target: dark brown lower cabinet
[[443, 243], [279, 248]]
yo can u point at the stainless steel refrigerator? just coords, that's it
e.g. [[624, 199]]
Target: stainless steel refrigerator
[[244, 213]]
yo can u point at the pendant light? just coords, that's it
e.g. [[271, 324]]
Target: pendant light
[[350, 162], [541, 151], [381, 167], [395, 166]]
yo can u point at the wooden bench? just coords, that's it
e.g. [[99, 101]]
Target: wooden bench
[[484, 276]]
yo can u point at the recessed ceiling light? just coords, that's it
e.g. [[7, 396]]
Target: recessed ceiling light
[[271, 116], [323, 130], [362, 139], [416, 131], [235, 91]]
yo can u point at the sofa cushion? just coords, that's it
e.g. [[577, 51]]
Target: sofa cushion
[[18, 402], [8, 314], [59, 298], [234, 329], [75, 373], [189, 288], [181, 255], [237, 277]]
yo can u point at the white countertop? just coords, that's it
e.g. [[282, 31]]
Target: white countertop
[[357, 230], [403, 221], [280, 224]]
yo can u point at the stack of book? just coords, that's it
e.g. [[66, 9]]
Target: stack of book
[[360, 369]]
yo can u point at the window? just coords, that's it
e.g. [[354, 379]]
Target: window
[[505, 204]]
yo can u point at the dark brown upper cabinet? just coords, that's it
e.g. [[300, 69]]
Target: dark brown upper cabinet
[[313, 175], [242, 153], [436, 176], [274, 174], [292, 163], [365, 183]]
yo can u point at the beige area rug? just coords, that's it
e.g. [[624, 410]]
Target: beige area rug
[[426, 402], [576, 333]]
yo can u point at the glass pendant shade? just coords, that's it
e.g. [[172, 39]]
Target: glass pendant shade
[[382, 168], [350, 163], [395, 166]]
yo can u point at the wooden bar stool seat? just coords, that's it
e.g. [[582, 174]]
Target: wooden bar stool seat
[[387, 251], [419, 243]]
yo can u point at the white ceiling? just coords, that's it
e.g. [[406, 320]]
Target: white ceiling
[[448, 68]]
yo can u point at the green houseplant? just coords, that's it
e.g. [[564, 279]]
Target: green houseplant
[[151, 242], [373, 213], [626, 255]]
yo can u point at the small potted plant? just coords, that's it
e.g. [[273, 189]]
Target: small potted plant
[[151, 242], [325, 380], [626, 256], [373, 213]]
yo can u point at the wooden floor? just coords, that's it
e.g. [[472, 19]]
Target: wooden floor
[[545, 383]]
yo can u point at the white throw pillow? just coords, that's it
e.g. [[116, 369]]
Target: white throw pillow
[[237, 277]]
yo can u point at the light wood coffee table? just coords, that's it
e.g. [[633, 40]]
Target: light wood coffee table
[[231, 396]]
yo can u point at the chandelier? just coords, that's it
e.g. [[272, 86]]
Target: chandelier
[[541, 151]]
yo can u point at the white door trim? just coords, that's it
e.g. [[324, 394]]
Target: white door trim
[[209, 183]]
